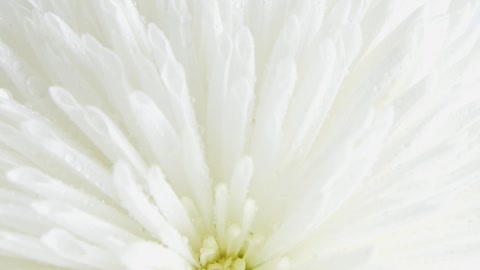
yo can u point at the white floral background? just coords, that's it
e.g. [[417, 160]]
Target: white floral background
[[242, 134]]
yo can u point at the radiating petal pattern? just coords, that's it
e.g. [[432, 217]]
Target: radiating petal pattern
[[243, 134]]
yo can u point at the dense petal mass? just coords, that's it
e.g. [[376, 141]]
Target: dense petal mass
[[241, 135]]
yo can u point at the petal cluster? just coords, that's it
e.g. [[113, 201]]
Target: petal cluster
[[240, 135]]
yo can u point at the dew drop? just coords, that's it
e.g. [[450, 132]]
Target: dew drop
[[217, 27], [17, 65], [69, 159], [79, 167]]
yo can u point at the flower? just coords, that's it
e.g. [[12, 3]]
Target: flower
[[214, 135]]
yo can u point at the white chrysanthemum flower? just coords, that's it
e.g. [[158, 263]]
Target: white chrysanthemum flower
[[266, 135]]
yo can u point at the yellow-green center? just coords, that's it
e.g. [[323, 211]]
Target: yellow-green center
[[211, 258]]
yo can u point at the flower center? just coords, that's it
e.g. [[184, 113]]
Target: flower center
[[211, 258]]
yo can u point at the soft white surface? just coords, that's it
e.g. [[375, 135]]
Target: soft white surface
[[309, 134]]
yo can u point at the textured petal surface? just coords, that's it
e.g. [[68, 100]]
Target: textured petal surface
[[177, 134]]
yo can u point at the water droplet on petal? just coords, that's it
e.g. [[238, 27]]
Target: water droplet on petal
[[69, 159], [17, 65]]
